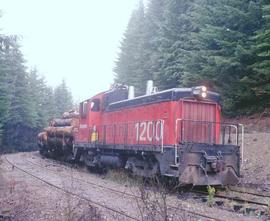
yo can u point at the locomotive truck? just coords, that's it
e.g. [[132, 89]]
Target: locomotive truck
[[173, 133]]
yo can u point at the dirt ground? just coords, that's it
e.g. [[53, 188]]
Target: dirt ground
[[23, 197], [256, 162], [256, 165]]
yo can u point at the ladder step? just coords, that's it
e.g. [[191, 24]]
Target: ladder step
[[174, 166], [169, 175]]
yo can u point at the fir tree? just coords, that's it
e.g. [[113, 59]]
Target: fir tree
[[257, 80], [5, 91], [154, 20], [43, 99], [223, 39], [175, 41], [129, 66], [22, 116], [27, 104], [187, 43], [62, 99]]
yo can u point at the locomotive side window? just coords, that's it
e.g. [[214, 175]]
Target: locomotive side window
[[95, 105], [83, 109]]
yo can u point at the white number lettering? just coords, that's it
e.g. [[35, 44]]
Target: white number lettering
[[142, 136], [158, 130], [137, 131], [149, 131], [150, 136]]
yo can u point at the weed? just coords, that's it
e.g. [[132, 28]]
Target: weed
[[122, 177], [76, 210], [153, 203], [211, 194]]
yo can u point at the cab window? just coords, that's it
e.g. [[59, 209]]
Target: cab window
[[83, 109], [95, 105]]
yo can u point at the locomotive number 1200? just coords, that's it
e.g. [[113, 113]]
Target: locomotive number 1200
[[149, 131]]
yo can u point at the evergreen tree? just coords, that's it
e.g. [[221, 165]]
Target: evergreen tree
[[27, 104], [62, 99], [175, 41], [48, 104], [154, 21], [129, 66], [187, 43], [22, 116], [43, 99], [219, 57], [5, 91], [257, 79]]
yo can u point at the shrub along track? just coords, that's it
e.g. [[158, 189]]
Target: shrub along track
[[122, 193]]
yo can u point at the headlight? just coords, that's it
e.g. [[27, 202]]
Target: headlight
[[204, 94], [199, 92], [204, 89]]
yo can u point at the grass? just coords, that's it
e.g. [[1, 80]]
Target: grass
[[77, 210], [211, 194], [122, 177]]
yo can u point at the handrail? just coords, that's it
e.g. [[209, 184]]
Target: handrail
[[242, 143], [235, 126], [162, 136], [126, 140], [175, 144], [236, 132]]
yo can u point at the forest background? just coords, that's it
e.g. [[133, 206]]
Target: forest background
[[222, 44]]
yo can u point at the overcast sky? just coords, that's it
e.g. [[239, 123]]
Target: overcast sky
[[67, 39]]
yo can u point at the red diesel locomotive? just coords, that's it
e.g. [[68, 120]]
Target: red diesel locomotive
[[174, 133]]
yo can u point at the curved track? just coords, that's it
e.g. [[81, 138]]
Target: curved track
[[236, 199], [70, 193], [124, 194]]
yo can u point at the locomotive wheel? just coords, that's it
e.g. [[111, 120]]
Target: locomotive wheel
[[143, 168], [91, 162]]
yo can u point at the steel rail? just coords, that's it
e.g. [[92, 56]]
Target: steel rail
[[113, 190], [249, 193], [233, 198], [125, 193], [71, 193]]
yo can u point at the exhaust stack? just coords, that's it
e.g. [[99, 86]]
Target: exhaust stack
[[131, 92], [149, 87]]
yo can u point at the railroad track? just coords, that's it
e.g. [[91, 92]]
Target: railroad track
[[236, 199], [243, 190], [85, 181], [239, 199], [70, 192], [125, 194]]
